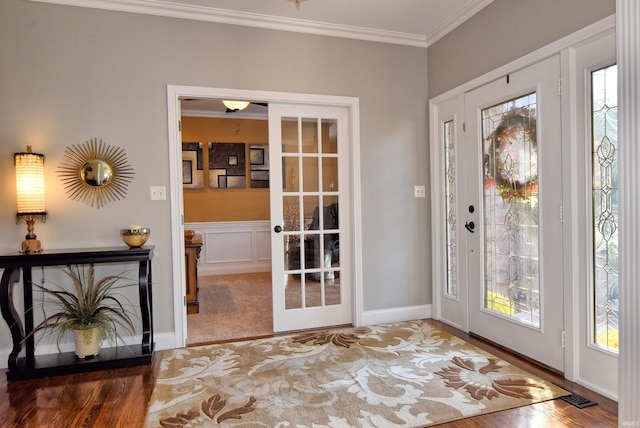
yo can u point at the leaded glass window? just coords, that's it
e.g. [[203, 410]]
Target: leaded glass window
[[450, 206], [605, 206], [511, 247]]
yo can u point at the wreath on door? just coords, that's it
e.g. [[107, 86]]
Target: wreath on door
[[511, 161]]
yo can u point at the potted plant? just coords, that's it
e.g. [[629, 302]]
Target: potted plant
[[92, 312]]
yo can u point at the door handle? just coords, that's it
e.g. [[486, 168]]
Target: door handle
[[470, 226], [277, 229]]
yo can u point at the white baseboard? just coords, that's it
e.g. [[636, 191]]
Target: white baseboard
[[407, 313], [613, 395], [165, 341], [234, 269], [452, 324]]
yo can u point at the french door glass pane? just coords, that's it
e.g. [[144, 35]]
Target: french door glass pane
[[290, 174], [330, 174], [512, 281], [310, 207], [289, 126], [605, 205], [310, 135], [310, 174], [329, 136], [450, 207]]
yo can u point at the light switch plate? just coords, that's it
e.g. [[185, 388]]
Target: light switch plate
[[419, 191], [158, 193]]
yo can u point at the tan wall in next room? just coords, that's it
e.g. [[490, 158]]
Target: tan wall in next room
[[211, 205]]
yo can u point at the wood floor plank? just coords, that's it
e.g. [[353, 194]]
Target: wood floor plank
[[549, 414], [118, 398], [111, 398]]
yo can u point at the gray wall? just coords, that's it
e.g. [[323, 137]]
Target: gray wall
[[504, 31], [69, 74]]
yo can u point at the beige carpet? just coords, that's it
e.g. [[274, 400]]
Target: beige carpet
[[395, 375], [232, 307]]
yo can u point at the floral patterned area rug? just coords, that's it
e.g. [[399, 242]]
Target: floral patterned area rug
[[407, 374]]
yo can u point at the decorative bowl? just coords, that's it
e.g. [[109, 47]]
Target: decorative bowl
[[135, 237]]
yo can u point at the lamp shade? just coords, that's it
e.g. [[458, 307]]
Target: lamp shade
[[30, 182], [235, 105]]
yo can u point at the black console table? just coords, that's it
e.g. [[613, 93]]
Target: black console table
[[30, 365]]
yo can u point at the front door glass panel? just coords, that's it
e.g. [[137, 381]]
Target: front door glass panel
[[511, 247]]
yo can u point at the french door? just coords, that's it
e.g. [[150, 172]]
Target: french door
[[510, 205], [310, 216]]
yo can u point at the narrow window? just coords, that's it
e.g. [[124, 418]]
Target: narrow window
[[604, 119], [450, 206]]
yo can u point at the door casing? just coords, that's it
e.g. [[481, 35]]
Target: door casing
[[174, 93]]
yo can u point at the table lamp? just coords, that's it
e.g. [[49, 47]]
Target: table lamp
[[30, 192]]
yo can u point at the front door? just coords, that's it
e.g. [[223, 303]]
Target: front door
[[310, 214], [511, 207]]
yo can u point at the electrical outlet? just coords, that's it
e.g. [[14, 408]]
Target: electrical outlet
[[158, 193], [419, 191]]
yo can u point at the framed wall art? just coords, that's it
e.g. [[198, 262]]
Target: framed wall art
[[259, 165], [192, 166], [227, 166]]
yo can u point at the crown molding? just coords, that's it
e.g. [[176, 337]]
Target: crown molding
[[455, 20], [223, 16]]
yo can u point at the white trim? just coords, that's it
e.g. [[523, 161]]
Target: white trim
[[177, 218], [356, 215], [219, 115], [174, 93], [270, 22], [450, 24], [596, 388], [384, 316], [438, 276], [628, 59]]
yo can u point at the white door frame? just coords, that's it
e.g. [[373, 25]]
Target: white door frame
[[565, 48], [174, 93]]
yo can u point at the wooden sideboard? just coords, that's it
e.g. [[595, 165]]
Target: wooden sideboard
[[192, 250], [30, 365]]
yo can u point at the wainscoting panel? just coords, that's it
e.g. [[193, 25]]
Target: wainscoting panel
[[233, 247]]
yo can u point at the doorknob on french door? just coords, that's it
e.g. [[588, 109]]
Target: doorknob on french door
[[470, 226], [277, 229]]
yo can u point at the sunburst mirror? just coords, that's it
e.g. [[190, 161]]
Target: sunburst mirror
[[95, 173]]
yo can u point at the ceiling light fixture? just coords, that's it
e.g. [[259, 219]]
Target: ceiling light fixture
[[235, 105]]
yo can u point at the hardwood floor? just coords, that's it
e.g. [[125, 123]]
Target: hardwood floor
[[548, 414], [111, 398], [118, 398]]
